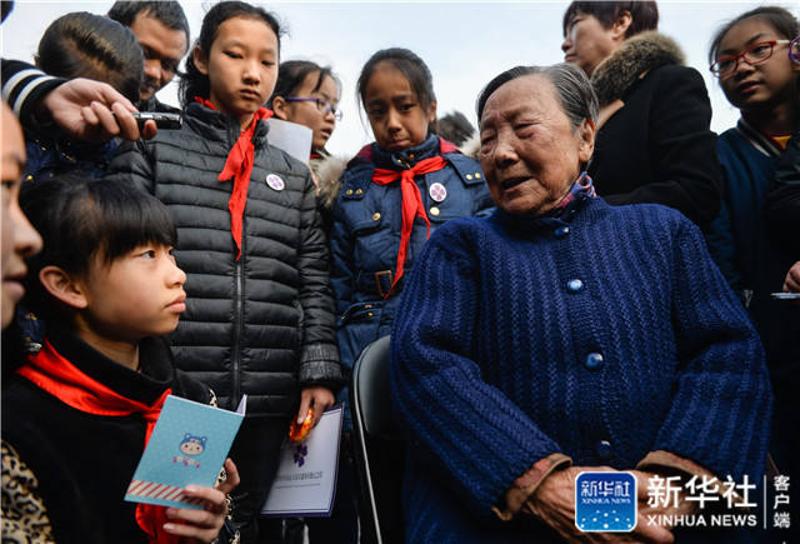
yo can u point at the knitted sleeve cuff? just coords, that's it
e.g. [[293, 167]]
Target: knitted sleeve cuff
[[524, 486], [661, 462]]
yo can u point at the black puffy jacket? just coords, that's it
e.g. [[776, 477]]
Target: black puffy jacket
[[264, 324]]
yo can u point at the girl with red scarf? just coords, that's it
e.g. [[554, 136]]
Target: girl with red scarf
[[259, 318], [79, 411], [393, 194]]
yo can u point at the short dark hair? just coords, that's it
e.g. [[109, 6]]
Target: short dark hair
[[292, 73], [573, 88], [454, 127], [407, 63], [780, 19], [644, 14], [80, 219], [193, 82], [168, 13], [83, 44]]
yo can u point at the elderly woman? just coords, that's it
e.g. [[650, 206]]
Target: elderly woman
[[564, 335]]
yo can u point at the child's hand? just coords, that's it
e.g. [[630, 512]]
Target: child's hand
[[204, 525], [320, 398]]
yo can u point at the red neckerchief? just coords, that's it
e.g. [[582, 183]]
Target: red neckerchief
[[412, 203], [239, 166], [51, 372]]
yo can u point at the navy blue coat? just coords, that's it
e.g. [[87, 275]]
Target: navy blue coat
[[366, 234], [603, 341]]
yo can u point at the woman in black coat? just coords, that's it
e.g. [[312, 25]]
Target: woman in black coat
[[654, 142]]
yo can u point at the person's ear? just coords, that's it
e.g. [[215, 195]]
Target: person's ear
[[431, 112], [620, 27], [280, 107], [200, 60], [586, 135], [63, 287]]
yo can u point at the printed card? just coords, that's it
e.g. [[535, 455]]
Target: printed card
[[188, 446], [305, 484]]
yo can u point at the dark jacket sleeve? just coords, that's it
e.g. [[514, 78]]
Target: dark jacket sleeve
[[133, 163], [319, 359], [684, 163], [24, 86], [342, 271], [782, 206]]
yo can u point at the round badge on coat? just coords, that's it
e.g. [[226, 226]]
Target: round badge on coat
[[438, 192], [276, 182]]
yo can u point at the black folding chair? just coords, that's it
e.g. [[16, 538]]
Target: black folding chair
[[379, 448]]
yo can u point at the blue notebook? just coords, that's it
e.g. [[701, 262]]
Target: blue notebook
[[188, 446]]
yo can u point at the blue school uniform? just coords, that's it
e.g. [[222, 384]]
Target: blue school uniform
[[367, 226]]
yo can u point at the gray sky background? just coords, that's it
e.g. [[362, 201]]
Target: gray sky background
[[464, 44]]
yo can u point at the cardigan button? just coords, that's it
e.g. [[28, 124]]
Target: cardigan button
[[562, 231], [348, 192], [604, 450], [376, 216], [359, 191], [593, 361], [574, 286], [434, 211], [469, 177]]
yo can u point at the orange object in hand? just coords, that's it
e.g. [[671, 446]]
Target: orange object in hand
[[299, 432]]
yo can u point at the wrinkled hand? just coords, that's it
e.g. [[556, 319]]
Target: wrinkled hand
[[682, 508], [92, 111], [792, 281], [554, 503], [319, 398], [204, 525]]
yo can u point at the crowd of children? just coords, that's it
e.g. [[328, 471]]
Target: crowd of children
[[207, 263]]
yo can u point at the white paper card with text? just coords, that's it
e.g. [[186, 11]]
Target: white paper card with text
[[305, 484]]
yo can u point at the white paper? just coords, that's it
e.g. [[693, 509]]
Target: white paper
[[305, 484], [293, 138]]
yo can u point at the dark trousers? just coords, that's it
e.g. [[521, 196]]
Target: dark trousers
[[255, 452]]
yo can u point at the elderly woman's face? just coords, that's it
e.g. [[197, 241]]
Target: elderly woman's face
[[530, 151]]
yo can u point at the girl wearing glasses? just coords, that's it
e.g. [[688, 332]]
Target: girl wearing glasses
[[308, 94], [758, 69]]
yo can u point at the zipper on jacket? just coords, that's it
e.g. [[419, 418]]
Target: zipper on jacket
[[238, 317], [237, 332]]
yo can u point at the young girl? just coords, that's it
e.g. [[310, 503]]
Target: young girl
[[308, 94], [77, 414], [85, 45], [394, 193], [259, 317], [751, 57]]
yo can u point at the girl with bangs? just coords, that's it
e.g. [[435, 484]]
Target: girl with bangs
[[78, 413]]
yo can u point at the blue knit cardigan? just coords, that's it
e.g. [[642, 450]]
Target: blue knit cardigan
[[603, 337]]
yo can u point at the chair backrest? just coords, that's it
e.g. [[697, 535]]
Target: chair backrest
[[379, 446]]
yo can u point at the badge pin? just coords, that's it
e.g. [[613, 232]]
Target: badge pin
[[276, 182], [438, 192]]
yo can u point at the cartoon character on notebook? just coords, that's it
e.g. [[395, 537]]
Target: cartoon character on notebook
[[191, 446]]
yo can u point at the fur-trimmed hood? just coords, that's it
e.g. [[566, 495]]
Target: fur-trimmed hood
[[636, 56], [328, 172]]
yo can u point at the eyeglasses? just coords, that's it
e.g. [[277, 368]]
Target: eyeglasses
[[755, 54], [323, 106], [794, 50]]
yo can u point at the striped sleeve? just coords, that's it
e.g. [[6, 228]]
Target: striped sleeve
[[24, 85]]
